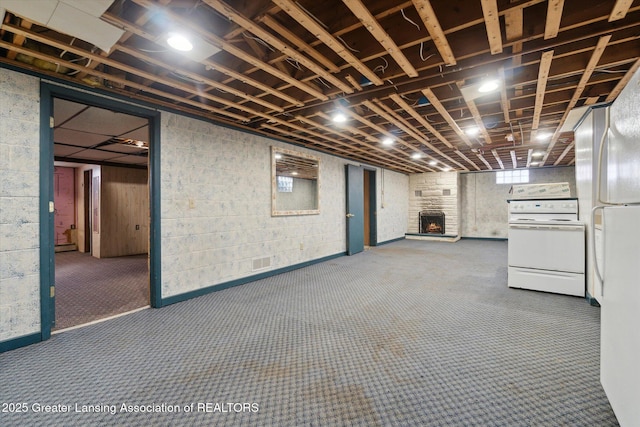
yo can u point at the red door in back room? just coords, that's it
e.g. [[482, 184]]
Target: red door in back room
[[64, 202]]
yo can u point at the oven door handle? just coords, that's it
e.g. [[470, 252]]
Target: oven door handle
[[547, 227]]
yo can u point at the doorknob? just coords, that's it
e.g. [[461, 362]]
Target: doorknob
[[349, 215]]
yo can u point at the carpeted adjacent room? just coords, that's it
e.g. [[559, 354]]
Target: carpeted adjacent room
[[89, 288], [408, 333]]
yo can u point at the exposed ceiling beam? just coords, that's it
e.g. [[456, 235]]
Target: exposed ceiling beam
[[586, 75], [445, 115], [492, 23], [473, 109], [620, 10], [504, 102], [514, 160], [409, 109], [236, 51], [430, 21], [373, 26], [543, 75], [554, 16], [497, 157], [623, 82], [293, 10], [566, 151], [270, 22], [483, 160], [468, 160], [278, 44]]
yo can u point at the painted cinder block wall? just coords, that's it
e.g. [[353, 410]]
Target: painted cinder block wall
[[19, 204], [215, 206], [484, 203]]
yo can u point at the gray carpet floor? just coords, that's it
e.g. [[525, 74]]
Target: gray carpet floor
[[89, 288], [411, 333]]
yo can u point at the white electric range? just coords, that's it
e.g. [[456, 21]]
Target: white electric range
[[546, 249]]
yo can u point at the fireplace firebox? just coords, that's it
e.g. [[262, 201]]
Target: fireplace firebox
[[431, 222]]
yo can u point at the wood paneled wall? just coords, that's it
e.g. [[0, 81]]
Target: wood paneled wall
[[124, 213]]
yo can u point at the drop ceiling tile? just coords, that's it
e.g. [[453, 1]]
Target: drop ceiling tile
[[92, 7], [78, 138], [96, 155], [63, 110], [131, 160], [64, 151], [37, 11], [105, 122], [77, 23]]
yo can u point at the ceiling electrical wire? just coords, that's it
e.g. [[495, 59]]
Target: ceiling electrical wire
[[422, 55], [405, 17], [259, 40], [382, 68], [346, 45]]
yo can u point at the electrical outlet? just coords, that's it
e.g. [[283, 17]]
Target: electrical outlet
[[301, 246], [192, 204]]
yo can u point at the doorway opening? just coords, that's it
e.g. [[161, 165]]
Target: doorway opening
[[370, 224], [102, 213]]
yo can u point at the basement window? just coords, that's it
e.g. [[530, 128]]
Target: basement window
[[285, 184], [513, 177]]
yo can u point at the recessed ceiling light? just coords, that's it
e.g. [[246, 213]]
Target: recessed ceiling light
[[534, 164], [387, 141], [472, 131], [278, 156], [416, 156], [537, 154], [339, 118], [446, 169], [433, 163], [543, 136], [488, 86], [179, 42], [294, 173]]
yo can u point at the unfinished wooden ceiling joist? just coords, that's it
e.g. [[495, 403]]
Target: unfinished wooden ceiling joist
[[398, 70]]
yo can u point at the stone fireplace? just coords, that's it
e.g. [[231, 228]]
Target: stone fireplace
[[434, 196], [431, 222]]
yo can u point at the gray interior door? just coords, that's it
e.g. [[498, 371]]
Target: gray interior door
[[355, 209]]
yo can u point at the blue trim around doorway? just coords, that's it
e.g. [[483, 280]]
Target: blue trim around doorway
[[48, 92]]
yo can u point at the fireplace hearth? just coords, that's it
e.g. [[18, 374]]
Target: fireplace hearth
[[431, 222]]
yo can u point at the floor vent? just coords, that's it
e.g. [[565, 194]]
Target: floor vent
[[260, 263]]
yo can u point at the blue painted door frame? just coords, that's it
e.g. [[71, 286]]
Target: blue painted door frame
[[47, 243]]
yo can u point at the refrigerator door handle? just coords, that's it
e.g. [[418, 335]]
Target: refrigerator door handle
[[592, 239], [603, 142]]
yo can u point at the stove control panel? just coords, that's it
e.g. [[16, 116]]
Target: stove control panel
[[544, 206]]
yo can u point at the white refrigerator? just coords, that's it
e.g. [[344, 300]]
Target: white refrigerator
[[619, 261]]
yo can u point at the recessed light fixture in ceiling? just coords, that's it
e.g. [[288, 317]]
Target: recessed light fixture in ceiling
[[433, 163], [387, 141], [472, 131], [543, 136], [416, 156], [488, 86], [339, 118], [179, 42]]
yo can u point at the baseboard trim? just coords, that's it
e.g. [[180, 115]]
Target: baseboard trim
[[485, 238], [221, 286], [22, 341], [386, 242], [432, 237]]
